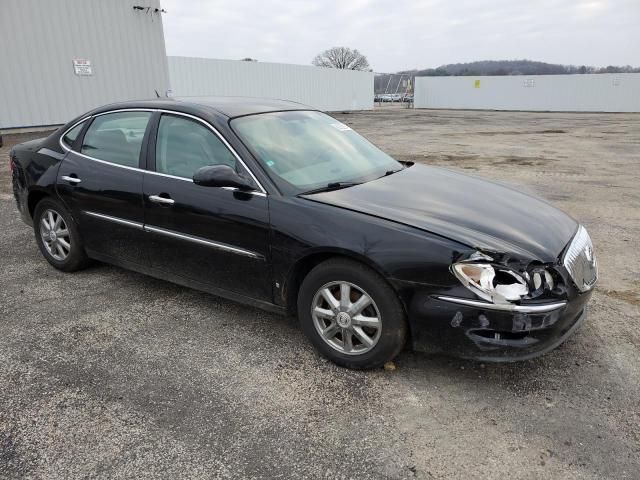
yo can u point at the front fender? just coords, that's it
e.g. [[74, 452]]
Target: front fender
[[303, 230]]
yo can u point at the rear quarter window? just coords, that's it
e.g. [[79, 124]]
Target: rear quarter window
[[72, 134]]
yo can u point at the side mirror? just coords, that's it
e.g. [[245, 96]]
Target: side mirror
[[221, 176]]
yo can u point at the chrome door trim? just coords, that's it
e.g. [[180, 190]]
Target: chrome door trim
[[508, 307], [233, 189], [202, 241], [262, 191], [120, 221], [141, 109], [172, 234], [126, 167]]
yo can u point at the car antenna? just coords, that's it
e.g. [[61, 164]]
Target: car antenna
[[157, 94]]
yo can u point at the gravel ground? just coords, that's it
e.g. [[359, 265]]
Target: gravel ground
[[107, 373]]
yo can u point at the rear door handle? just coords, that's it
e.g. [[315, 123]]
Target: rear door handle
[[74, 180], [162, 200]]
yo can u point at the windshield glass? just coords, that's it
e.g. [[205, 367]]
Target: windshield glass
[[303, 151]]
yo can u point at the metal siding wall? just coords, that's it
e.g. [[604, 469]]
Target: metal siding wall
[[40, 38], [326, 89], [607, 92]]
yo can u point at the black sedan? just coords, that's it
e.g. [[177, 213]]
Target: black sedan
[[276, 205]]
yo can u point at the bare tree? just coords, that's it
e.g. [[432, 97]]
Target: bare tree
[[341, 57]]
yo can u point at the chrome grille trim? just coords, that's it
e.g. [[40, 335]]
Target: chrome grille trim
[[506, 307], [580, 261]]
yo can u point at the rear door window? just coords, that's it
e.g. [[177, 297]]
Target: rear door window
[[116, 137]]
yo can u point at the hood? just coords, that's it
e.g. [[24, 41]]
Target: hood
[[479, 213]]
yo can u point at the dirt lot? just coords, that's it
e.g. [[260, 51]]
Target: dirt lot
[[111, 374]]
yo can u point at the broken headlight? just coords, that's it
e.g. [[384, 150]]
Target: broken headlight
[[491, 282]]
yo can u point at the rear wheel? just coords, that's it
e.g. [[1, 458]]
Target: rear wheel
[[351, 315], [57, 236]]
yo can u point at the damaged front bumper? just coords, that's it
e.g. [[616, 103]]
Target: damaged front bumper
[[488, 332]]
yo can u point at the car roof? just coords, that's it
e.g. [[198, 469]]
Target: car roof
[[238, 106], [228, 106]]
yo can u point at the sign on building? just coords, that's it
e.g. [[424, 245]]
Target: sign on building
[[82, 67]]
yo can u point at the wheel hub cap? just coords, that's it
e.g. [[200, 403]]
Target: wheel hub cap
[[343, 319]]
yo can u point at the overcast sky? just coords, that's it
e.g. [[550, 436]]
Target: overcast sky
[[400, 35]]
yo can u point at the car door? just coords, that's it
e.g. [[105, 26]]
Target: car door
[[215, 236], [100, 180]]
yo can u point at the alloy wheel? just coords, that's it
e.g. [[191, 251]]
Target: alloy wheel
[[55, 235], [346, 318]]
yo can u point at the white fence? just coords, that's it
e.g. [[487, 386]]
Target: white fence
[[326, 89], [580, 93]]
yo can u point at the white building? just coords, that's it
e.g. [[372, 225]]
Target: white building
[[604, 92], [327, 89], [60, 58]]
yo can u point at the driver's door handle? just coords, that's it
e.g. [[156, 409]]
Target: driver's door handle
[[74, 180], [162, 200]]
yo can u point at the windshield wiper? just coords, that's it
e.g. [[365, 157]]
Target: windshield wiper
[[390, 172], [331, 186]]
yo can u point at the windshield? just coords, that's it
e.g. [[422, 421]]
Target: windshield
[[303, 151]]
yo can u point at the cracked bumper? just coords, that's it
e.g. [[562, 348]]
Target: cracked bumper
[[476, 330]]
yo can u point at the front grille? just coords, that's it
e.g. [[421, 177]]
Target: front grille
[[580, 261]]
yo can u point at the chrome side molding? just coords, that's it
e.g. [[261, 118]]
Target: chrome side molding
[[119, 221], [181, 236], [202, 241]]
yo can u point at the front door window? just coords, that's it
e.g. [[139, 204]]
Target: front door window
[[183, 146]]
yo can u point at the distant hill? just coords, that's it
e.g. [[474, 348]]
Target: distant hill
[[515, 67], [498, 67]]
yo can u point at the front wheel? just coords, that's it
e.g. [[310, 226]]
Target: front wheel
[[351, 315], [58, 237]]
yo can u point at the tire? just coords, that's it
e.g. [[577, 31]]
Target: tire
[[355, 340], [66, 259]]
